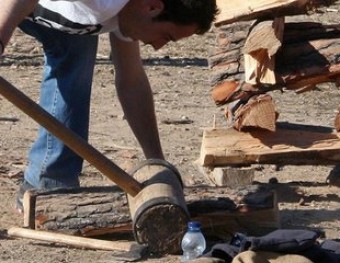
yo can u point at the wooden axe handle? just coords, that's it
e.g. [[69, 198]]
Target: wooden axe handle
[[71, 139], [75, 241]]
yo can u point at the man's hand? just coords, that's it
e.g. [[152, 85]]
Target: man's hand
[[135, 95]]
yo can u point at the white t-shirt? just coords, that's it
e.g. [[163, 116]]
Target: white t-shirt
[[84, 17]]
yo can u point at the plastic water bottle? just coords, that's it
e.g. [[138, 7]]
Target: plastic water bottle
[[193, 242]]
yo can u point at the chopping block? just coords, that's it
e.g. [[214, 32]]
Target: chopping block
[[156, 197], [159, 212]]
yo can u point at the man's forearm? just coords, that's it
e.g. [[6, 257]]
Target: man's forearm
[[135, 95], [139, 111], [12, 12]]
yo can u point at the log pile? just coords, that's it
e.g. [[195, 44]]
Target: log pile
[[258, 52]]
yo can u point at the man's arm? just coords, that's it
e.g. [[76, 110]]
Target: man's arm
[[135, 95], [12, 12]]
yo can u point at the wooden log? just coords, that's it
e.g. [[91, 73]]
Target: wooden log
[[222, 210], [68, 211], [262, 43], [293, 144], [234, 11]]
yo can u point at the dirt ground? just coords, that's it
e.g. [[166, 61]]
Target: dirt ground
[[179, 75]]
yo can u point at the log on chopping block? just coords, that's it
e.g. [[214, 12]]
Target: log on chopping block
[[97, 211], [164, 201], [74, 241], [289, 144]]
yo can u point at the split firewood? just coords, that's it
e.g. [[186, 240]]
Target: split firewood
[[233, 11], [259, 56], [308, 63], [257, 112], [307, 57], [231, 90]]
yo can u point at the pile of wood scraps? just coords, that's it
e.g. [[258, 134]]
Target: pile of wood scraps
[[257, 52]]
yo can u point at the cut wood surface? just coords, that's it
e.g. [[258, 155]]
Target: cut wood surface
[[264, 40], [258, 112], [78, 211], [239, 10], [294, 144]]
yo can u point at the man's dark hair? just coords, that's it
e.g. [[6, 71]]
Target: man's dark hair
[[187, 12]]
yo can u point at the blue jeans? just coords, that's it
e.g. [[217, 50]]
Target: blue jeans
[[65, 93]]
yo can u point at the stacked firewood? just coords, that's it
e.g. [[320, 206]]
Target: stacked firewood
[[257, 52]]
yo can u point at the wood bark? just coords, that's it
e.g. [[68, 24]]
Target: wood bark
[[96, 211], [289, 144], [227, 62], [234, 11]]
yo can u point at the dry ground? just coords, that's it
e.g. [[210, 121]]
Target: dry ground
[[179, 75]]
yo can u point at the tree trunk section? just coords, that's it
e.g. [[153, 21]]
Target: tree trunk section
[[96, 211]]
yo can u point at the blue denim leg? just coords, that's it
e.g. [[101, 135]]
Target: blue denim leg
[[65, 93]]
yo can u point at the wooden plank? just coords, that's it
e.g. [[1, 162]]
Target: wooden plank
[[289, 144], [241, 10]]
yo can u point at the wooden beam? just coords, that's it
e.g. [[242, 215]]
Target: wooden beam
[[296, 144]]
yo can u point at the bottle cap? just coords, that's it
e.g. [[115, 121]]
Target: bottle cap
[[194, 224]]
